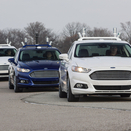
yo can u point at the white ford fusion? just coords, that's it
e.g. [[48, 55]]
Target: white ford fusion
[[6, 51], [100, 66]]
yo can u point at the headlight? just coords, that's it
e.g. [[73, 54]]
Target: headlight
[[80, 69], [23, 70]]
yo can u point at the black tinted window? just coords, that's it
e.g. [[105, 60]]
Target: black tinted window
[[102, 49], [7, 52], [29, 55]]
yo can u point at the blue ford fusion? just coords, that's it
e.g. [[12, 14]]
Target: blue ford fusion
[[34, 66]]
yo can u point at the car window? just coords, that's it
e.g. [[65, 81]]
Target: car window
[[102, 49], [29, 55], [7, 52]]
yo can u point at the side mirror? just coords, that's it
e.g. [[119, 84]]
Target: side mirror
[[11, 60], [64, 57]]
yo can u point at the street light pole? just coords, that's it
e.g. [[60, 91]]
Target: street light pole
[[37, 37]]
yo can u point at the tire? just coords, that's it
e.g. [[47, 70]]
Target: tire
[[125, 95], [16, 87], [61, 93], [10, 84], [70, 96]]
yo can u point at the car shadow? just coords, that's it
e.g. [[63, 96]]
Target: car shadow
[[104, 98], [40, 89]]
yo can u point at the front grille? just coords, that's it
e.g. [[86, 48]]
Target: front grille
[[45, 74], [4, 74], [4, 67], [111, 75], [112, 87], [45, 82]]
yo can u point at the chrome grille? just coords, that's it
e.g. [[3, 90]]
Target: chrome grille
[[112, 87], [45, 74], [4, 67], [111, 75], [46, 82]]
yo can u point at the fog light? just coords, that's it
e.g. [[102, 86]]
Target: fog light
[[81, 86], [23, 81]]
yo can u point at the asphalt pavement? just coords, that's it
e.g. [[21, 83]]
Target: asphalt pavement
[[100, 102]]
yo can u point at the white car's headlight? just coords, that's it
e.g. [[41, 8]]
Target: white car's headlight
[[23, 70], [80, 69]]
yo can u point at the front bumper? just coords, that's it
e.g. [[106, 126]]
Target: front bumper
[[120, 86], [4, 73], [24, 80]]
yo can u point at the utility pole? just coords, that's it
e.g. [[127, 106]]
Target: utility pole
[[37, 37]]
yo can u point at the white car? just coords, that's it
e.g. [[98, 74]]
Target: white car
[[6, 51], [96, 65]]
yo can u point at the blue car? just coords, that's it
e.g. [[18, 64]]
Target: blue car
[[34, 66]]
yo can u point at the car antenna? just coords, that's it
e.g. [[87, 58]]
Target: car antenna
[[9, 43], [115, 32], [22, 43], [80, 36], [25, 41], [84, 32], [50, 43]]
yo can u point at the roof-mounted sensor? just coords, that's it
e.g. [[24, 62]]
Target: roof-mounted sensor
[[37, 46]]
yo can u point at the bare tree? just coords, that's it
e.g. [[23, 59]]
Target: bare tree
[[15, 36], [72, 29], [99, 32], [3, 37], [126, 31], [70, 34], [38, 27]]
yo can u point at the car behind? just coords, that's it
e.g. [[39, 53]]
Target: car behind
[[6, 51], [31, 68]]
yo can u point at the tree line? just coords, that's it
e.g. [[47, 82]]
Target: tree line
[[62, 40]]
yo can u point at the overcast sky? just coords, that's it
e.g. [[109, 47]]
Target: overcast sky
[[55, 14]]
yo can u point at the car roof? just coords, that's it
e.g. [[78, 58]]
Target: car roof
[[100, 40], [7, 47], [38, 47], [52, 48]]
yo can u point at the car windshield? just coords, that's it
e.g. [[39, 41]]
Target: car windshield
[[39, 54], [102, 49], [7, 52]]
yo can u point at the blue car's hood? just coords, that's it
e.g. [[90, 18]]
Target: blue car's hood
[[40, 64]]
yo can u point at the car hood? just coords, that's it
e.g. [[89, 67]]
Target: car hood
[[101, 62], [40, 64], [4, 60]]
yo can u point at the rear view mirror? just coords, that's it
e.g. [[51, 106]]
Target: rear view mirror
[[64, 57], [11, 60]]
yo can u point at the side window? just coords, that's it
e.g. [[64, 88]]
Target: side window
[[57, 53]]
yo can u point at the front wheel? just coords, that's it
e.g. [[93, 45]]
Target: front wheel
[[10, 84], [61, 93], [16, 87], [70, 96]]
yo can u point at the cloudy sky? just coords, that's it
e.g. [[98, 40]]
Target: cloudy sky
[[55, 14]]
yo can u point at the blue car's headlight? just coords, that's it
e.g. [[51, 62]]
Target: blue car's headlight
[[23, 70], [80, 69]]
